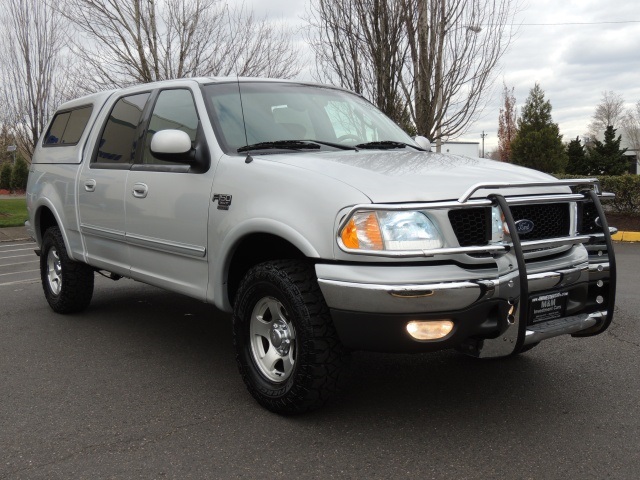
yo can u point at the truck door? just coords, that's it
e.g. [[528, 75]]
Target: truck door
[[102, 183], [167, 203]]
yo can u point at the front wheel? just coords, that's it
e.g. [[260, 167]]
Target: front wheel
[[287, 349], [67, 285]]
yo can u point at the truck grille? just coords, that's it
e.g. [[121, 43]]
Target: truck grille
[[472, 226], [551, 220]]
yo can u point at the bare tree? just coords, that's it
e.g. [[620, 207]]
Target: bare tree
[[507, 124], [631, 128], [125, 42], [610, 111], [442, 57], [34, 69], [361, 45]]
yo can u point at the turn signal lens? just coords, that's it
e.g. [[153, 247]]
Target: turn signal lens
[[362, 232], [429, 329], [350, 235]]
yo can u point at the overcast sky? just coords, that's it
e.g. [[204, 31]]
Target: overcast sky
[[574, 62]]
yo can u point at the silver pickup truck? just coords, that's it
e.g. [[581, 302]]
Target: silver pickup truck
[[318, 222]]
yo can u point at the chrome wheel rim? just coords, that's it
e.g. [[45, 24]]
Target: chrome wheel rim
[[54, 271], [273, 340]]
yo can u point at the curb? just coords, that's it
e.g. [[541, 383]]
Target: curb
[[626, 237]]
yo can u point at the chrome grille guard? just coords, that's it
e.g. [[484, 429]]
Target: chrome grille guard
[[518, 333]]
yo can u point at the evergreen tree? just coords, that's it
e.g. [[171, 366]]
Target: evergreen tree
[[606, 158], [5, 177], [538, 143], [19, 175], [578, 163]]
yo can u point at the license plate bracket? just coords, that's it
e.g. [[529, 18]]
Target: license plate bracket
[[548, 306]]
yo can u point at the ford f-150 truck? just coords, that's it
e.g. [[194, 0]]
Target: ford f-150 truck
[[318, 222]]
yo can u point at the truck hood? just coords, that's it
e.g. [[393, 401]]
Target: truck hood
[[413, 176]]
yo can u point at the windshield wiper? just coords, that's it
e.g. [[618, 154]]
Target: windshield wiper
[[281, 144], [332, 144], [387, 145]]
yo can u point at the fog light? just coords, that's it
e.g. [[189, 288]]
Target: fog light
[[429, 329]]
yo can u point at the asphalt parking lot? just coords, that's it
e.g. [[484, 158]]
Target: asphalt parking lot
[[144, 385]]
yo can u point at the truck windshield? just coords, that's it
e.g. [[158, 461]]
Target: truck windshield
[[279, 113]]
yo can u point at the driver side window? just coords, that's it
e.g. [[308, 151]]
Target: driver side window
[[175, 110]]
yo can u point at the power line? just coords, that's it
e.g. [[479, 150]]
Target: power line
[[577, 23]]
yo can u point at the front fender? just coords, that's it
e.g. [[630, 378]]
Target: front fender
[[218, 283]]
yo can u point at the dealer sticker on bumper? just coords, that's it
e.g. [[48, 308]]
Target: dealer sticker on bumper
[[548, 307]]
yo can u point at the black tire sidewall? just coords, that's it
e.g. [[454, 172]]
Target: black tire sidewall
[[77, 280], [274, 396], [49, 241]]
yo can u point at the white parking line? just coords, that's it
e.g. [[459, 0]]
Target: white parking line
[[21, 263], [16, 273], [17, 256], [2, 245], [29, 280], [17, 250]]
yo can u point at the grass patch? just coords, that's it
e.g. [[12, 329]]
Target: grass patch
[[13, 212]]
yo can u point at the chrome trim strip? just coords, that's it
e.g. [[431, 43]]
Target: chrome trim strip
[[141, 241], [424, 253], [562, 326], [400, 298], [117, 235], [166, 246], [556, 183], [560, 198], [551, 242]]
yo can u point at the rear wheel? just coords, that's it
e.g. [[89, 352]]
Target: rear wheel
[[67, 285], [287, 349]]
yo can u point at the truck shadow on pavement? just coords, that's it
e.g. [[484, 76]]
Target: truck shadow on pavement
[[159, 330]]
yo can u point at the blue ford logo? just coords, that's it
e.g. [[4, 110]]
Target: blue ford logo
[[524, 226]]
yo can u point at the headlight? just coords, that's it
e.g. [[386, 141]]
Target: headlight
[[381, 230]]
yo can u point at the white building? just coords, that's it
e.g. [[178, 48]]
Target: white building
[[468, 149]]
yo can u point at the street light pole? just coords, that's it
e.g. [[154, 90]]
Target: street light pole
[[483, 135], [439, 74], [12, 148]]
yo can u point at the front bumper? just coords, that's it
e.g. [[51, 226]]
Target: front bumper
[[372, 304]]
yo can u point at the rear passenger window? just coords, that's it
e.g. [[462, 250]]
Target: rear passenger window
[[67, 127], [120, 135]]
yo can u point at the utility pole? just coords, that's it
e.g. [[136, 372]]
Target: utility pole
[[483, 135]]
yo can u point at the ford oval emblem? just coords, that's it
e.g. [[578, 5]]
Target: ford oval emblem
[[524, 226]]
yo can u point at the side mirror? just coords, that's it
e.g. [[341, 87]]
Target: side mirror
[[423, 142], [172, 145]]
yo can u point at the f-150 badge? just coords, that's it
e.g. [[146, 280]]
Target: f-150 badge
[[224, 200]]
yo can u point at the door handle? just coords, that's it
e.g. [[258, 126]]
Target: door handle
[[90, 185], [140, 190]]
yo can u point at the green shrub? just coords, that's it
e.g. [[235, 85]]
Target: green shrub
[[626, 188], [19, 175], [5, 177]]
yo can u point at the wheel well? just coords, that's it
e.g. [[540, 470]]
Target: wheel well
[[255, 249], [45, 220]]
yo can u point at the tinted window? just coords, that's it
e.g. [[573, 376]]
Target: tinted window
[[67, 127], [120, 134], [54, 135], [173, 110], [76, 125]]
